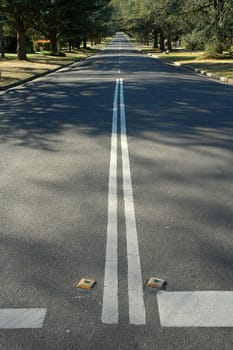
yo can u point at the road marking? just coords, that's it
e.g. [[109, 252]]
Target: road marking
[[119, 71], [135, 290], [110, 296], [22, 318], [196, 309]]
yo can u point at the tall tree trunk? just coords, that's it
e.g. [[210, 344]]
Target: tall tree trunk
[[155, 34], [169, 42], [84, 41], [53, 41], [78, 42], [21, 43], [162, 39], [146, 39], [2, 43]]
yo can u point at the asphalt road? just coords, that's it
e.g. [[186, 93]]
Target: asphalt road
[[66, 186]]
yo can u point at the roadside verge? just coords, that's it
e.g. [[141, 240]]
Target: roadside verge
[[217, 69], [14, 72]]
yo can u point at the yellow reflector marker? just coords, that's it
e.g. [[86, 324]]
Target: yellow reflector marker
[[85, 283], [155, 282]]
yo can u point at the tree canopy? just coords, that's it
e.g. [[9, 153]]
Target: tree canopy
[[196, 22], [199, 22], [74, 21]]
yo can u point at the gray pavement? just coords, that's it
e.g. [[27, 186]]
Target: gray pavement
[[55, 141]]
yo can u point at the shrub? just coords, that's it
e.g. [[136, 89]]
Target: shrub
[[230, 50], [60, 54], [218, 47], [213, 50], [51, 53], [193, 41]]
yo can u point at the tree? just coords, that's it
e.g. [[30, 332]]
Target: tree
[[149, 18], [202, 21], [72, 21], [55, 19], [2, 20], [213, 18], [50, 21], [93, 19], [20, 14]]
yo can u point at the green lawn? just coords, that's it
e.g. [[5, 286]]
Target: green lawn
[[13, 70], [221, 66]]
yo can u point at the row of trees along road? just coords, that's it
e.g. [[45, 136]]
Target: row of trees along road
[[197, 22], [72, 21]]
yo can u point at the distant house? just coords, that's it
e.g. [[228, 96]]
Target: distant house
[[42, 45]]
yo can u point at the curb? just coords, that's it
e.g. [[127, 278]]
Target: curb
[[196, 70], [36, 76], [214, 76], [23, 81]]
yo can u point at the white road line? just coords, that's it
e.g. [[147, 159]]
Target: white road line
[[196, 309], [119, 71], [135, 291], [22, 318], [110, 296]]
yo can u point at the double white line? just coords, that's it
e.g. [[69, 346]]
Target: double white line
[[110, 310]]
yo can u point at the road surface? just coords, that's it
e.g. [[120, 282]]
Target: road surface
[[116, 169]]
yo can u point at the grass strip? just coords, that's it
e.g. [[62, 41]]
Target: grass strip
[[13, 70], [221, 66]]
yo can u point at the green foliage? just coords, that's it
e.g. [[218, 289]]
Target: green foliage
[[213, 50], [20, 14], [214, 18], [198, 22], [69, 21], [147, 18], [193, 41], [52, 53]]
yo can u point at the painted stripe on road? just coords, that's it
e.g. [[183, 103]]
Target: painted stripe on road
[[119, 71], [22, 318], [196, 309], [135, 291], [110, 296]]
